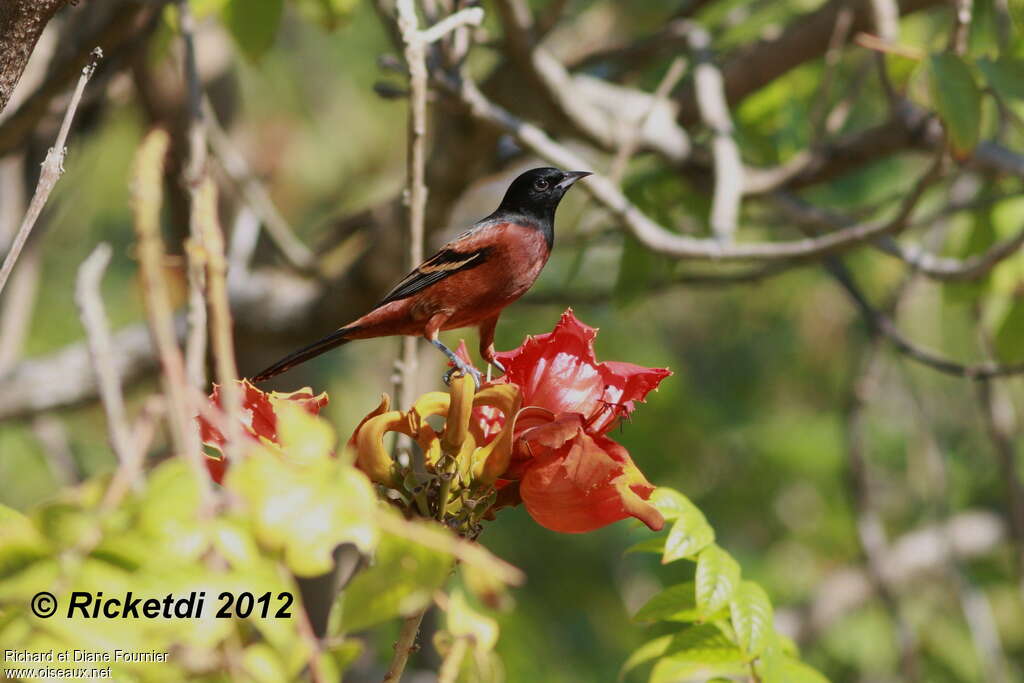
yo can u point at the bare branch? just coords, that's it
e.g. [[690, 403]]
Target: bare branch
[[804, 38], [53, 168], [97, 328], [656, 237], [256, 195], [220, 310], [725, 203], [193, 174]]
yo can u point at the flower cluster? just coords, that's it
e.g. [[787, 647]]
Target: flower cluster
[[538, 435]]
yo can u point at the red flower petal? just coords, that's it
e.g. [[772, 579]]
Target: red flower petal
[[559, 371], [588, 483], [216, 467], [259, 415]]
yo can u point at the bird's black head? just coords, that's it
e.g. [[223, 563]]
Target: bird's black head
[[536, 193]]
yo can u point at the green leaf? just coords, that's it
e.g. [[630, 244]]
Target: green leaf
[[718, 576], [1005, 75], [652, 649], [776, 667], [653, 544], [253, 24], [401, 581], [691, 531], [699, 651], [1009, 341], [675, 603], [752, 618], [957, 99]]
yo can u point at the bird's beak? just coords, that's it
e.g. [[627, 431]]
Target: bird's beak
[[570, 178]]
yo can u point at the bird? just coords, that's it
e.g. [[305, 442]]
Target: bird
[[468, 282]]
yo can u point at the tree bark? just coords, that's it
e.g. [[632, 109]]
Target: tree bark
[[21, 23]]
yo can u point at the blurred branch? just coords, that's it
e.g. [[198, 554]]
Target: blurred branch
[[148, 195], [21, 24], [869, 523], [804, 38], [998, 415], [194, 173], [656, 237], [53, 168], [714, 111], [220, 311], [924, 551], [97, 328], [256, 195], [605, 113], [923, 261]]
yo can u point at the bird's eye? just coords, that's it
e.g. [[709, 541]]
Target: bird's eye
[[540, 184]]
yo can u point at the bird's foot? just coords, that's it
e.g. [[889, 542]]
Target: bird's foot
[[497, 364], [466, 369]]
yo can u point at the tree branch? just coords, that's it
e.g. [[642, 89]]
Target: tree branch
[[21, 24], [53, 168]]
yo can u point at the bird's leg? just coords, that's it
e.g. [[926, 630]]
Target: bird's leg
[[487, 342], [460, 365]]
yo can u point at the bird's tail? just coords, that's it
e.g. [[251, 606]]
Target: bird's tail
[[334, 339]]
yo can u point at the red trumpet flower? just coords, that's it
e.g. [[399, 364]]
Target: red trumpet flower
[[572, 477]]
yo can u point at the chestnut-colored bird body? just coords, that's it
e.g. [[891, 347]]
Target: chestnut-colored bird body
[[469, 281]]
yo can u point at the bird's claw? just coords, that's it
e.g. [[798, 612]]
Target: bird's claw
[[497, 364], [465, 369]]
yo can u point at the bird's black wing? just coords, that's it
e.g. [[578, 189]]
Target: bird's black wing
[[443, 264]]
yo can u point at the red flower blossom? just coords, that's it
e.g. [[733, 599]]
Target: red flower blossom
[[259, 418], [572, 478]]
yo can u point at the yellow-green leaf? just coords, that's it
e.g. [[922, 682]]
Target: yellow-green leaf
[[718, 576], [752, 618], [675, 603]]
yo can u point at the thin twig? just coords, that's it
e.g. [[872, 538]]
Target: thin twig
[[416, 192], [255, 194], [870, 526], [194, 173], [404, 646], [415, 43], [148, 196], [97, 329], [220, 311], [53, 168]]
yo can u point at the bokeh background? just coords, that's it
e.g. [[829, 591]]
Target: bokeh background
[[799, 433]]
